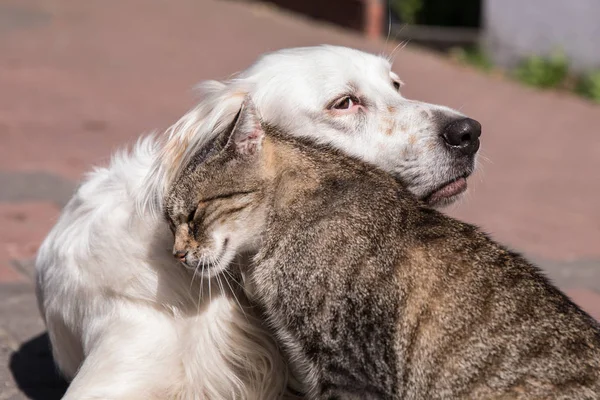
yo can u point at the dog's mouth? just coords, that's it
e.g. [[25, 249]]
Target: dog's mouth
[[447, 192]]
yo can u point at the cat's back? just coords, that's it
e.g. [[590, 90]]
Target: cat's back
[[489, 323], [453, 313]]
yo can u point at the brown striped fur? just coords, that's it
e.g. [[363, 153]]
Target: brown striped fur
[[376, 296]]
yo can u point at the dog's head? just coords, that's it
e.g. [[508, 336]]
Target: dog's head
[[350, 100]]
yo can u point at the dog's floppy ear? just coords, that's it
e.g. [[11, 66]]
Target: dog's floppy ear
[[247, 133]]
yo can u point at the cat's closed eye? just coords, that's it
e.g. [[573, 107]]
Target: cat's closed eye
[[191, 215]]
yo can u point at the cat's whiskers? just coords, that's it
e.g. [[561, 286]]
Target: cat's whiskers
[[238, 265], [233, 293], [220, 283], [209, 288], [194, 275], [212, 260], [233, 278], [201, 286]]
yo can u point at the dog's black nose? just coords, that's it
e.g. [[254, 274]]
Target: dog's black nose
[[180, 254], [463, 135]]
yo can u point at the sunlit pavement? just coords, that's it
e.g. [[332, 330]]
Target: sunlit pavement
[[80, 79]]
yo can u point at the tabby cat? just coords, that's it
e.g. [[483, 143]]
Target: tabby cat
[[372, 294]]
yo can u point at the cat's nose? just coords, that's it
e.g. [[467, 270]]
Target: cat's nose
[[180, 254]]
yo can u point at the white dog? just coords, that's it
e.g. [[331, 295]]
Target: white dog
[[126, 321]]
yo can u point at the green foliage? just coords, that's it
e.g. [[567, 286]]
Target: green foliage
[[543, 72], [474, 56], [407, 9], [589, 86]]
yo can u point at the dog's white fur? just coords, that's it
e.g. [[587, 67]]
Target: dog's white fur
[[124, 319]]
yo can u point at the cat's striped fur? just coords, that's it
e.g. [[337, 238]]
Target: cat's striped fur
[[376, 296]]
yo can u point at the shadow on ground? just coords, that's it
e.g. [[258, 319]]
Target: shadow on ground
[[34, 371]]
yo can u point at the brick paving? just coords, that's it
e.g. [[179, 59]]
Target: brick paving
[[80, 79]]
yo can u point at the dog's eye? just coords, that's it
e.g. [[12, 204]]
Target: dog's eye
[[345, 103], [396, 85]]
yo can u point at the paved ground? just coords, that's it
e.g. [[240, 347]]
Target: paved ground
[[79, 79]]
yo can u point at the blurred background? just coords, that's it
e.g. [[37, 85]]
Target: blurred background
[[79, 80]]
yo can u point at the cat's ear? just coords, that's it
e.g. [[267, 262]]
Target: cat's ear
[[247, 133]]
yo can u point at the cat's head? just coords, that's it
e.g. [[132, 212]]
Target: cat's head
[[216, 208]]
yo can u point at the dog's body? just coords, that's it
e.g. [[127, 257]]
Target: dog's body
[[124, 320], [374, 295]]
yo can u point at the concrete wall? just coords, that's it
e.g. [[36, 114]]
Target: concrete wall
[[517, 28]]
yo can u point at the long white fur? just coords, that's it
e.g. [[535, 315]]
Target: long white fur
[[124, 319]]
